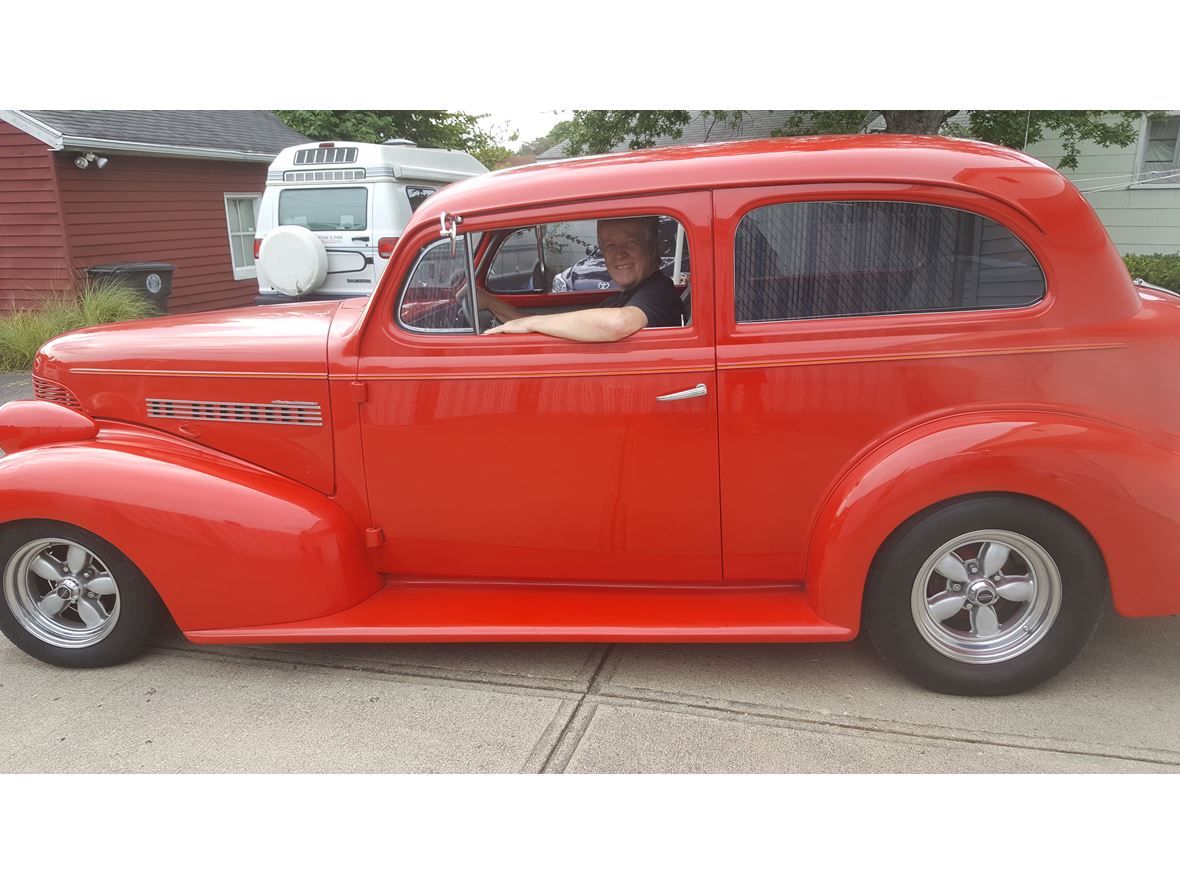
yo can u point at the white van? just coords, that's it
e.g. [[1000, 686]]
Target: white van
[[355, 199]]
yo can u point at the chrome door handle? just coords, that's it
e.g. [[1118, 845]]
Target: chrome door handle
[[699, 390]]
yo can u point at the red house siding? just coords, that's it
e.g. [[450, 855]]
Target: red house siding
[[34, 258], [159, 209]]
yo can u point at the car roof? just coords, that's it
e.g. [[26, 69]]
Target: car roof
[[988, 168]]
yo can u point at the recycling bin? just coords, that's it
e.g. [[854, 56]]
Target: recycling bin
[[151, 279]]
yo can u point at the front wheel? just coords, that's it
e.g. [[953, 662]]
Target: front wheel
[[985, 596], [72, 599]]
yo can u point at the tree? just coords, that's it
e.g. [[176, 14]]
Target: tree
[[599, 131], [1018, 129], [560, 132], [437, 129]]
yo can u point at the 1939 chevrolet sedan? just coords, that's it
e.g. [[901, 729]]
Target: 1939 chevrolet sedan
[[915, 389]]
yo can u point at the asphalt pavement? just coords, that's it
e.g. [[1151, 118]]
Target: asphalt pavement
[[581, 708]]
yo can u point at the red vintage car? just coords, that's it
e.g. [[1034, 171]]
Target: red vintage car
[[914, 389]]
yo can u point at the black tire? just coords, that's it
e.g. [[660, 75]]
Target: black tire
[[122, 611], [1054, 579]]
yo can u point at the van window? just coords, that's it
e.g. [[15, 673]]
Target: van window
[[331, 208], [417, 196], [829, 259]]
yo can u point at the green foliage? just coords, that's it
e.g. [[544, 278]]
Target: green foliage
[[560, 132], [826, 122], [1161, 270], [599, 131], [1016, 129], [91, 304], [596, 132], [437, 129]]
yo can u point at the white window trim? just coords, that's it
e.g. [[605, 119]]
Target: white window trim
[[241, 273], [1141, 154]]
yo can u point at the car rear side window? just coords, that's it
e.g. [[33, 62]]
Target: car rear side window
[[835, 258]]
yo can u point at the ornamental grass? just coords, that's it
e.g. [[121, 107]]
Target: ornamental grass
[[89, 303]]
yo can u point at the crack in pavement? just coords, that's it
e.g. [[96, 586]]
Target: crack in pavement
[[880, 729], [575, 727], [559, 742]]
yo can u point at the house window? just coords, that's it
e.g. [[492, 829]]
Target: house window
[[241, 215], [1161, 152]]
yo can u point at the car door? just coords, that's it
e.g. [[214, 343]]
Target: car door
[[847, 314], [525, 457]]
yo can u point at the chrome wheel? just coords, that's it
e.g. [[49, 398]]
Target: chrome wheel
[[61, 593], [986, 596]]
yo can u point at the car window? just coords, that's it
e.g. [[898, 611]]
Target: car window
[[566, 258], [832, 258], [429, 300], [558, 259]]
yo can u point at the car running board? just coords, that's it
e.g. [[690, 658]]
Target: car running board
[[471, 612]]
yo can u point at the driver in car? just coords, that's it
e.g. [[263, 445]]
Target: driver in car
[[630, 247]]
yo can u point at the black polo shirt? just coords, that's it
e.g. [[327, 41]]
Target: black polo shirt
[[656, 296]]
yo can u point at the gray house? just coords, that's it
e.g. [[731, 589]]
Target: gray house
[[1134, 189]]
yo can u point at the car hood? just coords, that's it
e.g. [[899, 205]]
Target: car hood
[[252, 383], [279, 339]]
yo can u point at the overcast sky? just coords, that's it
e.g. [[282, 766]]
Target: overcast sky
[[530, 124]]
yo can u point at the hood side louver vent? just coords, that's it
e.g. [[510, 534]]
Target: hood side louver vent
[[276, 412], [51, 391]]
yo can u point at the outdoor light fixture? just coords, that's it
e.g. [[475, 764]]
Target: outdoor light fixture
[[86, 159]]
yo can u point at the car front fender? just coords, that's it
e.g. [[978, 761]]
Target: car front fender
[[1122, 486], [225, 545]]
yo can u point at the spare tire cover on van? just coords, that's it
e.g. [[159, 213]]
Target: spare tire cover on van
[[293, 260]]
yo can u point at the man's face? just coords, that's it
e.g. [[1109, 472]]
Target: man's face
[[630, 259]]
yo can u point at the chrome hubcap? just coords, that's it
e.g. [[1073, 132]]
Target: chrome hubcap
[[986, 596], [61, 592]]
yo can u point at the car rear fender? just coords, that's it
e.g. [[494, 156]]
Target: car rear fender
[[224, 544], [1122, 486]]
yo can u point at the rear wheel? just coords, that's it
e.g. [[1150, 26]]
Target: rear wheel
[[72, 599], [985, 596]]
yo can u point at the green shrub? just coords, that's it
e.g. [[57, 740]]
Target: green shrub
[[1162, 270], [90, 304]]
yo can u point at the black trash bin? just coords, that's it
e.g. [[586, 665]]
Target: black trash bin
[[151, 279]]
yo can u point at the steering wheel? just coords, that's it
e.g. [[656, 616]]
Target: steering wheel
[[462, 317], [463, 312]]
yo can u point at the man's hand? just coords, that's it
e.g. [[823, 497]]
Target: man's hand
[[503, 311], [512, 327]]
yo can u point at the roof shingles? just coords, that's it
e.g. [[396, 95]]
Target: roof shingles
[[256, 131]]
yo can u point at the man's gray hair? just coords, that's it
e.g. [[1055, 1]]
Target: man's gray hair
[[649, 224]]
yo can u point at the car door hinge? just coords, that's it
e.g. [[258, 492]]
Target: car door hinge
[[359, 390], [374, 537]]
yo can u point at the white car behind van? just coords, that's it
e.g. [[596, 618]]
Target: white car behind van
[[332, 212]]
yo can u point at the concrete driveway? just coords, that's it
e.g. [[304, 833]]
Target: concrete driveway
[[581, 708]]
